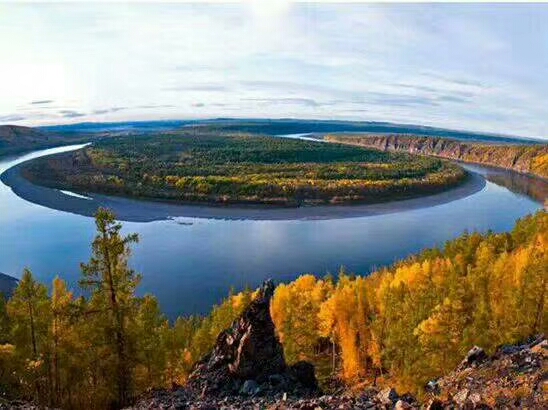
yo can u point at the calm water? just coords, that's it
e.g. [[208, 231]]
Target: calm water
[[191, 266]]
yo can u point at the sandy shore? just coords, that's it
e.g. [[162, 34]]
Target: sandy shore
[[144, 211]]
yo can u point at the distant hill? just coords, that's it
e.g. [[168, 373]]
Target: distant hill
[[280, 126], [15, 139], [7, 284]]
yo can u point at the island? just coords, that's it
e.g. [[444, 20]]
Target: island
[[202, 165]]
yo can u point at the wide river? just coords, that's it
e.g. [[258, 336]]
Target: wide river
[[191, 263]]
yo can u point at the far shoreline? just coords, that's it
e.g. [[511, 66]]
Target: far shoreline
[[140, 210]]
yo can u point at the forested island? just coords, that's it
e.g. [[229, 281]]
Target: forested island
[[202, 165], [402, 326]]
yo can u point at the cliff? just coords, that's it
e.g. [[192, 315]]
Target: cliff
[[528, 159]]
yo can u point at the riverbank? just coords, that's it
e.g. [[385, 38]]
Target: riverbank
[[135, 210]]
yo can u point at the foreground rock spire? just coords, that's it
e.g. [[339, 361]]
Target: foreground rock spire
[[248, 357]]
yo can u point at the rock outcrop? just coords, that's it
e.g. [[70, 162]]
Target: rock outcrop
[[247, 353]]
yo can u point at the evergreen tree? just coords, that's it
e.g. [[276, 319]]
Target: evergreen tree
[[113, 284], [29, 314]]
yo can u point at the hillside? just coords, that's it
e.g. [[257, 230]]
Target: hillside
[[529, 159], [15, 139], [7, 284], [246, 370]]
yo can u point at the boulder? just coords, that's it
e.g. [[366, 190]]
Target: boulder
[[402, 405], [387, 396], [475, 356], [250, 388], [433, 387]]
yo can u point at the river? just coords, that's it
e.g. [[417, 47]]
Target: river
[[191, 263]]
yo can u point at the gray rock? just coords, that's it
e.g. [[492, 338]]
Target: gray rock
[[387, 396], [475, 355], [250, 388], [433, 387], [402, 405], [461, 397]]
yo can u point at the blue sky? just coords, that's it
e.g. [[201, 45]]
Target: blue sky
[[463, 66]]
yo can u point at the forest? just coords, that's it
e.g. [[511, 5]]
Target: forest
[[529, 158], [402, 325], [205, 166]]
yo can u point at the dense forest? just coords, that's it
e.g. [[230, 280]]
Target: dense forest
[[402, 325], [525, 158], [198, 165]]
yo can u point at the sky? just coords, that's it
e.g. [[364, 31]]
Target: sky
[[472, 67]]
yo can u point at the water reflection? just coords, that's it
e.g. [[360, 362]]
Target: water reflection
[[190, 266]]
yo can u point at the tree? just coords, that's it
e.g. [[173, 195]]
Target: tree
[[151, 351], [4, 321], [29, 313], [64, 340], [113, 284]]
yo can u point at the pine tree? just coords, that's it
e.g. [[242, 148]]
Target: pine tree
[[150, 326], [29, 314], [63, 339], [113, 284]]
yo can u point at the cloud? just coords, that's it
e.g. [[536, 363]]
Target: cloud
[[199, 88], [152, 106], [399, 100], [453, 99], [452, 65], [12, 118], [456, 80], [109, 110], [41, 102], [71, 114], [308, 102]]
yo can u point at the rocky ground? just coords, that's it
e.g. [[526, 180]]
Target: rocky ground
[[247, 370]]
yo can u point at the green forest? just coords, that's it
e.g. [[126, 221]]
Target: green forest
[[202, 165], [402, 325]]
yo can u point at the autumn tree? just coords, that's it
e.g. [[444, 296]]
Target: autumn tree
[[113, 285], [29, 314], [149, 331]]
